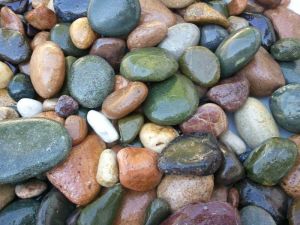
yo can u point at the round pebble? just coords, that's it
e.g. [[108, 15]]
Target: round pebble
[[30, 189], [66, 106], [28, 107]]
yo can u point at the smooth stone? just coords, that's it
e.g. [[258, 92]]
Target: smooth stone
[[7, 194], [40, 38], [237, 23], [103, 209], [66, 106], [148, 64], [180, 37], [6, 75], [236, 7], [177, 4], [47, 76], [5, 99], [181, 190], [129, 127], [28, 107], [156, 137], [157, 212], [191, 154], [69, 62], [291, 71], [124, 101], [209, 118], [293, 213], [269, 3], [120, 82], [264, 197], [102, 126], [36, 3], [113, 19], [133, 207], [90, 80], [271, 161], [41, 18], [147, 35], [18, 7], [14, 47], [212, 35], [7, 113], [172, 101], [220, 6], [264, 25], [216, 213], [111, 49], [200, 65], [76, 176], [51, 115], [54, 209], [73, 217], [77, 128], [70, 10], [9, 20], [237, 50], [21, 212], [253, 213], [231, 93], [202, 13], [107, 172], [284, 106], [286, 49], [263, 73], [60, 34], [255, 123], [233, 142], [138, 169], [30, 189]]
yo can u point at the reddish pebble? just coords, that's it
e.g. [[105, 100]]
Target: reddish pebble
[[77, 128], [120, 82], [9, 20], [66, 106]]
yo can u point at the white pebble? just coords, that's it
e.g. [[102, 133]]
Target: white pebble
[[102, 126], [234, 142], [28, 107]]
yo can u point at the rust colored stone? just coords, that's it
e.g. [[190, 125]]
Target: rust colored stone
[[9, 20], [40, 38], [41, 18], [51, 115], [236, 7], [77, 128]]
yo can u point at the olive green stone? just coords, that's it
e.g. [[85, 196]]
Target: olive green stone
[[148, 64], [171, 101], [54, 209], [286, 49], [220, 6], [103, 209], [30, 147], [157, 212], [285, 107], [294, 212], [237, 50], [191, 154], [200, 65], [291, 71], [129, 127], [21, 212], [69, 62], [253, 213], [14, 47], [60, 34], [271, 161], [90, 80]]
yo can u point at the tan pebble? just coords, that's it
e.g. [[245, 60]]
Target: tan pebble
[[7, 113], [237, 23], [7, 194], [49, 104], [30, 189], [5, 99], [9, 20], [233, 197], [179, 19], [25, 68], [36, 3], [41, 18], [5, 75], [236, 7], [220, 193], [120, 82], [40, 38], [77, 128], [177, 4], [51, 5], [51, 115]]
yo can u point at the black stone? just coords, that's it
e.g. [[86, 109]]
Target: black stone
[[21, 87]]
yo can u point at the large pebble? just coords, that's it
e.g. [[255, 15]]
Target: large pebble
[[233, 141], [21, 87], [7, 194], [30, 189], [157, 211], [29, 107], [253, 213], [10, 20], [70, 10], [6, 75], [77, 128], [286, 49], [41, 18]]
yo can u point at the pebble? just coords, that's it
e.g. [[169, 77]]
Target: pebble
[[30, 189], [156, 137], [124, 101], [66, 106], [36, 3], [82, 34], [286, 49], [220, 6], [41, 18], [21, 87], [70, 10], [212, 35], [138, 168], [269, 3], [180, 37], [255, 123], [102, 126], [291, 71], [7, 113], [47, 77], [180, 190], [193, 154], [51, 115], [6, 75], [254, 7], [233, 142], [25, 68], [5, 99], [237, 23], [120, 82], [76, 176], [157, 211], [10, 20], [77, 128], [129, 127], [293, 213], [7, 194], [108, 172], [253, 213], [49, 104], [177, 4], [236, 7], [28, 107], [40, 38], [18, 7]]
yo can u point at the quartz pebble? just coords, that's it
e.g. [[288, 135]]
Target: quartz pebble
[[30, 189], [29, 107], [233, 141]]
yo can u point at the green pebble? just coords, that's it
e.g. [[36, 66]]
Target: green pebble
[[286, 49], [157, 212], [253, 213], [291, 71], [220, 6], [129, 127], [69, 62], [21, 87]]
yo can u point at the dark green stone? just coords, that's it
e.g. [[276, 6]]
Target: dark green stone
[[148, 64], [191, 154], [157, 212], [171, 101], [83, 112], [285, 107], [135, 143], [73, 217], [237, 50], [294, 212], [129, 127], [212, 35], [104, 209], [21, 87], [114, 18], [70, 10], [231, 169], [14, 47], [291, 71], [200, 65], [60, 34], [54, 209], [90, 80], [21, 212], [220, 6], [253, 213], [69, 62], [30, 147], [286, 49], [271, 161]]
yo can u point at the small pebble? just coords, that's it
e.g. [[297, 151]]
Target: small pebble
[[66, 106], [30, 189], [77, 128], [51, 115], [5, 75], [49, 104], [7, 113], [29, 107], [233, 141]]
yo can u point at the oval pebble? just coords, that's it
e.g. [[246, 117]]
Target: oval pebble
[[29, 107], [30, 189]]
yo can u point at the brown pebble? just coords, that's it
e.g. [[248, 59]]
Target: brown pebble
[[179, 19], [268, 4], [66, 106], [5, 99], [40, 38], [77, 128], [120, 82], [49, 104], [7, 194], [236, 7], [30, 189], [36, 3], [233, 197], [51, 115], [9, 20], [41, 18], [7, 113], [177, 4]]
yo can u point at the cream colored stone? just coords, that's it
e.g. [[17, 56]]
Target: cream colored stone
[[233, 141], [7, 113]]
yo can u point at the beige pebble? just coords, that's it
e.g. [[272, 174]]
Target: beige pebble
[[51, 115], [49, 104], [36, 3], [5, 99], [233, 141], [7, 194], [177, 4], [7, 113], [40, 38], [5, 75], [30, 189]]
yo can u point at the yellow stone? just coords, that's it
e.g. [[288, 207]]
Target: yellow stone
[[5, 75]]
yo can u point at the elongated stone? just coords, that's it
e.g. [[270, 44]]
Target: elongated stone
[[157, 211]]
